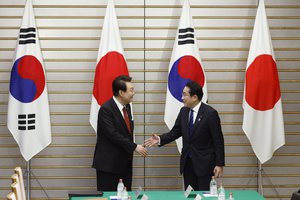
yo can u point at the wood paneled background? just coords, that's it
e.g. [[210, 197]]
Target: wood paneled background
[[70, 33]]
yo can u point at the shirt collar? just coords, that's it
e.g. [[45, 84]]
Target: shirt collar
[[120, 106], [196, 108]]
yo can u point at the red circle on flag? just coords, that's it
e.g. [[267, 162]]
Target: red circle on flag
[[262, 83], [110, 66], [190, 68]]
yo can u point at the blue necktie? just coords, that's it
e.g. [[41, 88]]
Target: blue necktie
[[191, 121]]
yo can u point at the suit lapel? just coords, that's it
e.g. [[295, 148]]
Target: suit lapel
[[185, 117], [198, 118], [119, 115]]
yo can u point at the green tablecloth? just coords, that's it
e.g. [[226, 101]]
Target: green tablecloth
[[178, 195]]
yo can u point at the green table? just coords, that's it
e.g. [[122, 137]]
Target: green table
[[178, 195]]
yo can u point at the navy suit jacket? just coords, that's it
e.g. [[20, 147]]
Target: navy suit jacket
[[115, 146], [206, 143]]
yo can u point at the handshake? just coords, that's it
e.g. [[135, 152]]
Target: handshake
[[152, 141]]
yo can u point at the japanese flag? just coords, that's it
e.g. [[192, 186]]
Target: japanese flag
[[263, 119], [111, 63]]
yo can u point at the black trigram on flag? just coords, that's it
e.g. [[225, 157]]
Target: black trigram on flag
[[186, 36], [26, 122], [27, 35]]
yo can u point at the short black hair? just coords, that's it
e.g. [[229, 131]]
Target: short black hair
[[195, 89], [119, 83]]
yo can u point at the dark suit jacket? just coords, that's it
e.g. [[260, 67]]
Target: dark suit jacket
[[205, 145], [115, 146]]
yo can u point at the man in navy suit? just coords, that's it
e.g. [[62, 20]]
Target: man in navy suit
[[114, 149], [202, 155]]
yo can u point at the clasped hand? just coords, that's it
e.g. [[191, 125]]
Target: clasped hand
[[152, 141], [140, 149]]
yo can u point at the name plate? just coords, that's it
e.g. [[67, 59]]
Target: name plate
[[198, 197], [144, 197], [188, 191]]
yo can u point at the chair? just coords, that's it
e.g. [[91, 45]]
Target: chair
[[15, 178], [16, 188], [11, 196], [296, 196], [18, 171]]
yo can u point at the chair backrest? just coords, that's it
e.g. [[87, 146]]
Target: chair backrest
[[11, 196], [296, 196], [15, 178], [18, 171], [16, 188]]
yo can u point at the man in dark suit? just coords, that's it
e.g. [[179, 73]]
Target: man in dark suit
[[114, 149], [202, 155]]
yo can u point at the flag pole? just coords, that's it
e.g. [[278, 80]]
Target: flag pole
[[28, 170], [28, 180], [260, 181]]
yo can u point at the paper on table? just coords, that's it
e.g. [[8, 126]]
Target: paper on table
[[113, 197], [207, 194]]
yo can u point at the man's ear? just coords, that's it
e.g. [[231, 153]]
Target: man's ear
[[195, 97], [120, 93]]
